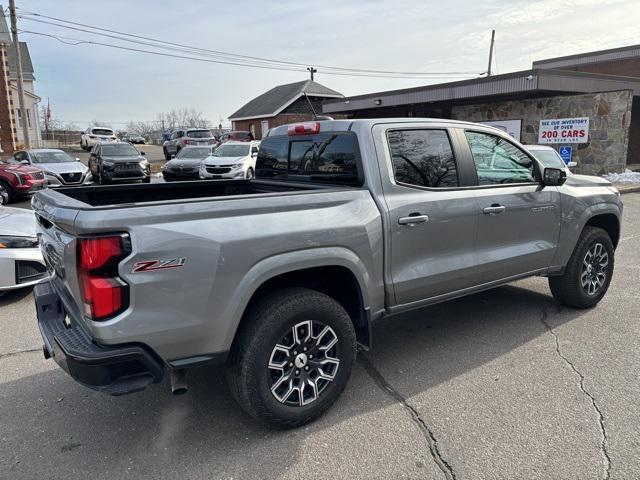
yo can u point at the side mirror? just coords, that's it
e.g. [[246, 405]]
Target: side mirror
[[554, 177], [572, 164]]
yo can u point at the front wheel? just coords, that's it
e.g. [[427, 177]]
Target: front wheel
[[588, 273], [167, 155], [250, 175], [292, 357], [6, 193]]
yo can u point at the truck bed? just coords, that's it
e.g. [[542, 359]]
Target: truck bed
[[136, 194]]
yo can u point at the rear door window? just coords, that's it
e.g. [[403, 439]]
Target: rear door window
[[423, 158]]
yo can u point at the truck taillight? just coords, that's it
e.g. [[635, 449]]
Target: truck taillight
[[104, 293], [307, 128]]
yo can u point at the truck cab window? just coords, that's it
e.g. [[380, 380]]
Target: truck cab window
[[499, 161], [423, 158]]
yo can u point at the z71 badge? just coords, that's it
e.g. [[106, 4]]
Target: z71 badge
[[149, 265]]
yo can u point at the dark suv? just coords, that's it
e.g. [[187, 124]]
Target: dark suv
[[118, 162]]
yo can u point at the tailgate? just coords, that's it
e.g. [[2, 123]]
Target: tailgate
[[59, 252], [54, 228]]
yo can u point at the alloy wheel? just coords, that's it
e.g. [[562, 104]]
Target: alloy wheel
[[594, 269], [303, 363]]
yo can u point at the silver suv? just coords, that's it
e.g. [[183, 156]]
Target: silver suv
[[185, 137]]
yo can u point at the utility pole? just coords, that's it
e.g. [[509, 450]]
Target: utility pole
[[312, 70], [493, 36], [16, 45]]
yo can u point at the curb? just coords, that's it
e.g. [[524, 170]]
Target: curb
[[627, 188]]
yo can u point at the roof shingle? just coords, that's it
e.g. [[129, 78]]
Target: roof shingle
[[272, 102]]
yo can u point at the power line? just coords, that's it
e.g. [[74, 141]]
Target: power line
[[218, 54], [76, 41]]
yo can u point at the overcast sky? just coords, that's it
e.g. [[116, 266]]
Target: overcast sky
[[91, 82]]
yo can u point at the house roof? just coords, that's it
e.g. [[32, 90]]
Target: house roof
[[27, 66], [524, 83], [278, 98], [612, 54]]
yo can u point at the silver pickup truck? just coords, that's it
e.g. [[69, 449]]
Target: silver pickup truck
[[281, 277]]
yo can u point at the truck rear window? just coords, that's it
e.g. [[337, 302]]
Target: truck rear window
[[326, 157]]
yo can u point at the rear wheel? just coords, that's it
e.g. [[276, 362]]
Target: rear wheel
[[588, 273], [292, 357], [167, 156], [6, 192]]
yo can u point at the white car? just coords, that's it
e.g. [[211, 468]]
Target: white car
[[59, 168], [549, 157], [231, 160], [21, 263], [93, 135]]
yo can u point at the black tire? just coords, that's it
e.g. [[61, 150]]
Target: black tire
[[250, 175], [9, 190], [568, 288], [167, 157], [101, 180], [268, 323]]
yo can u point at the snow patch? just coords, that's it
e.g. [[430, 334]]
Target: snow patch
[[627, 177]]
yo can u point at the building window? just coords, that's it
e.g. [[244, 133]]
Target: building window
[[19, 116]]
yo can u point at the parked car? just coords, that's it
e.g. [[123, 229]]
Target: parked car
[[186, 137], [118, 162], [346, 223], [20, 180], [550, 157], [236, 136], [21, 263], [93, 135], [134, 139], [231, 160], [59, 168], [186, 165]]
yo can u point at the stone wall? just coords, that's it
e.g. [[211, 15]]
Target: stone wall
[[609, 123]]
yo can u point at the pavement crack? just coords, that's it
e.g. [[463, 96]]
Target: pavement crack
[[603, 432], [18, 352], [432, 442]]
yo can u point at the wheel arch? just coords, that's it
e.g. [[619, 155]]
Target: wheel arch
[[609, 222], [336, 272]]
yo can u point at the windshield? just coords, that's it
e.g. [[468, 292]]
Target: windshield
[[51, 157], [198, 134], [119, 150], [231, 151], [549, 158], [194, 153], [102, 131]]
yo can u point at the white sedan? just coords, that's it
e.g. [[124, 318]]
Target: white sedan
[[21, 263]]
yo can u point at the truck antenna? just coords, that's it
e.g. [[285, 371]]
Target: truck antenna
[[313, 110]]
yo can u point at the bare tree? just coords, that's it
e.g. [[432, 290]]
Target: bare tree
[[142, 128], [97, 123], [183, 117]]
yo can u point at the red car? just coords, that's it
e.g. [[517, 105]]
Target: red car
[[19, 180]]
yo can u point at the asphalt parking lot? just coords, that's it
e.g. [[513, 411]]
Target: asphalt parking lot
[[500, 385]]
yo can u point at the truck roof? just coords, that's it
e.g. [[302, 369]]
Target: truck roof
[[349, 124]]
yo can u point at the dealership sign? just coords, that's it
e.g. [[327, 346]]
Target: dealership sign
[[564, 130]]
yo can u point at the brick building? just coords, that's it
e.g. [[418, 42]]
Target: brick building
[[281, 105], [602, 86], [11, 133]]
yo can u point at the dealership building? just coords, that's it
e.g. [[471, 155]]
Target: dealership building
[[587, 106]]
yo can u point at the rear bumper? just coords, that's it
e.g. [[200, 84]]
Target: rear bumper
[[115, 370]]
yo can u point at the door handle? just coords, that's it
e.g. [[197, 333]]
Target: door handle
[[494, 209], [413, 219]]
